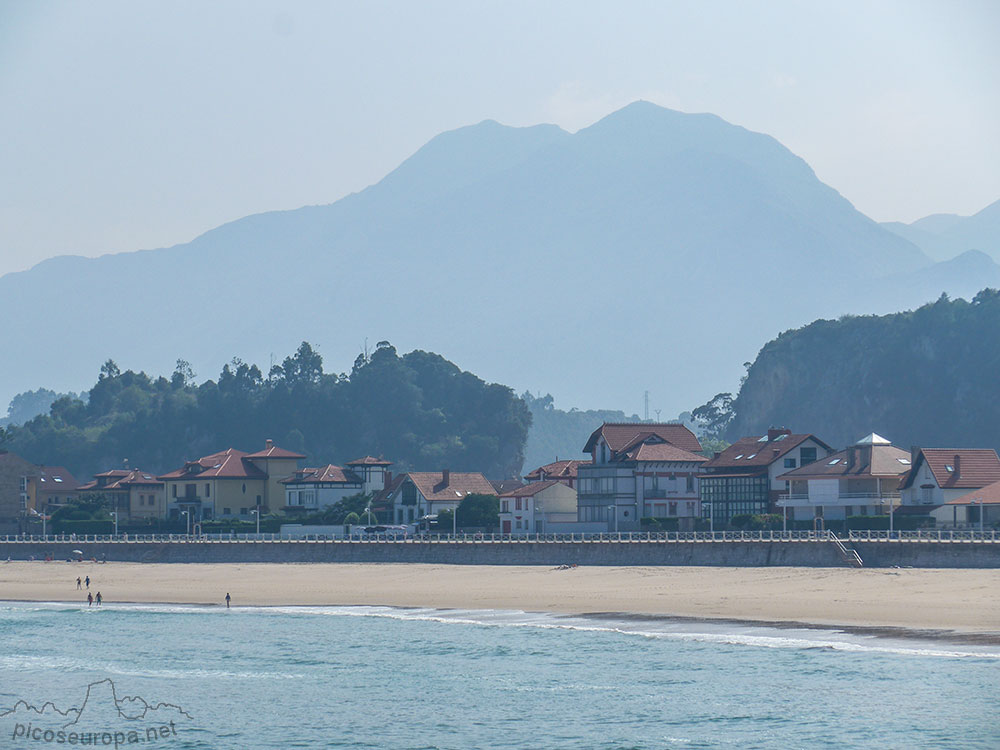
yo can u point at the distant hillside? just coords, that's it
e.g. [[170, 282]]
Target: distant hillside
[[943, 236], [418, 410], [561, 434], [652, 250], [927, 377]]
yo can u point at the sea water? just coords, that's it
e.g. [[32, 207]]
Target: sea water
[[376, 677]]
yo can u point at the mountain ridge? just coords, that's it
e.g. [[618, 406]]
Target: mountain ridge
[[490, 241]]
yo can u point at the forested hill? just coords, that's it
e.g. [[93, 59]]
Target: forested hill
[[928, 377], [418, 410], [561, 434]]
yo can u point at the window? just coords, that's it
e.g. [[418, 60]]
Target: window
[[208, 490], [409, 494], [673, 509], [690, 483], [789, 463], [399, 515], [173, 490], [227, 511], [258, 499], [505, 506], [517, 505], [807, 455], [191, 491], [244, 488], [244, 511]]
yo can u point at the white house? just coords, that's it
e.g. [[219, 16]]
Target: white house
[[746, 478], [313, 489], [537, 507], [861, 480], [939, 475], [426, 493], [638, 470]]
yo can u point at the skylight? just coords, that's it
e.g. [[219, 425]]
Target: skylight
[[780, 437], [904, 461], [834, 461], [56, 479], [762, 439], [738, 457], [950, 468], [753, 456]]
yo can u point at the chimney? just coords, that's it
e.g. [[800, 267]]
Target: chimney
[[268, 444], [775, 432], [446, 477], [388, 478], [716, 454], [958, 466]]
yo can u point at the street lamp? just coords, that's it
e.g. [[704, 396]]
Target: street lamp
[[42, 514], [256, 512], [187, 521], [115, 514]]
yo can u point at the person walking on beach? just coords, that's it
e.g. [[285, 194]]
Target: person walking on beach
[[78, 586], [87, 581], [98, 599], [90, 599], [227, 600]]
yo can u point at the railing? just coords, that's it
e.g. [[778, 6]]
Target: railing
[[843, 497], [633, 537]]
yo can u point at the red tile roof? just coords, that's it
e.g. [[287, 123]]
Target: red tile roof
[[229, 464], [621, 435], [989, 494], [559, 469], [330, 473], [273, 451], [120, 479], [754, 451], [869, 461], [532, 489], [56, 479], [369, 461], [662, 452], [973, 467], [431, 484]]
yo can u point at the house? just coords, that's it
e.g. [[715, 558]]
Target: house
[[639, 469], [134, 494], [535, 507], [316, 488], [417, 494], [977, 509], [230, 483], [940, 475], [563, 471], [861, 480], [744, 478], [27, 488]]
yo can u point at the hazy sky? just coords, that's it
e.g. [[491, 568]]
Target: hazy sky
[[130, 125]]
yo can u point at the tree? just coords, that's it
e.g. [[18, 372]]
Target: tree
[[183, 374], [352, 519], [109, 370], [479, 511], [714, 417]]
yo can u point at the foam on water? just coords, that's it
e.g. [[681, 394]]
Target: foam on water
[[758, 636]]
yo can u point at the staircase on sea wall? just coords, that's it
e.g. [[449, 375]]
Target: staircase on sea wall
[[848, 555]]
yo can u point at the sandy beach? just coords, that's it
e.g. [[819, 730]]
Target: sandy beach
[[965, 601]]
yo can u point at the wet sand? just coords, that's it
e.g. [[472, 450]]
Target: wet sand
[[929, 602]]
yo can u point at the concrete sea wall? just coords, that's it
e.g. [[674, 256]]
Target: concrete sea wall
[[923, 554]]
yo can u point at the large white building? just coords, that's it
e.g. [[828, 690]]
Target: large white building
[[860, 480], [639, 470]]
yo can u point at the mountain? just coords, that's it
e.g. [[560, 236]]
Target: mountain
[[943, 236], [654, 250], [926, 377]]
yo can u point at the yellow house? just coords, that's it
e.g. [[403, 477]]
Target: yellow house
[[134, 494], [230, 483]]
